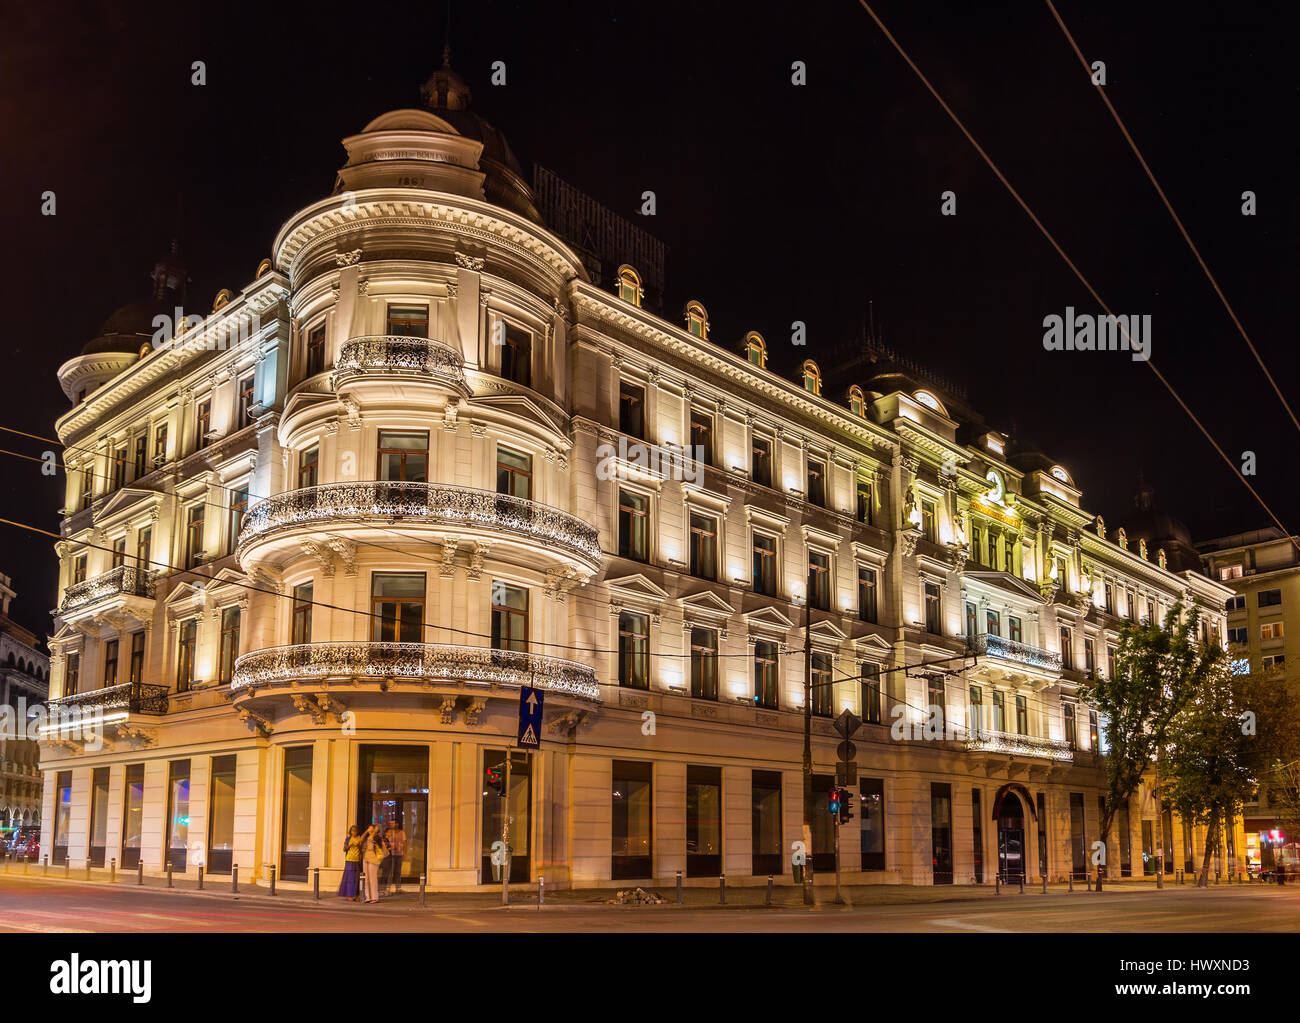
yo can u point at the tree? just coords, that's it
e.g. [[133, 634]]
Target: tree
[[1157, 668]]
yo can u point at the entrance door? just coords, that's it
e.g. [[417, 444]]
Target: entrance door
[[393, 788], [1011, 839], [411, 815]]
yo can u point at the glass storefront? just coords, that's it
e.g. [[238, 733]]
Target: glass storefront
[[703, 821], [221, 822], [62, 816], [98, 816], [295, 836], [132, 815], [632, 820], [521, 818], [178, 814], [394, 790], [765, 832]]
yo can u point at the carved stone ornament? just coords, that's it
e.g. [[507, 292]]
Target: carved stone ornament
[[469, 262], [347, 258], [908, 539]]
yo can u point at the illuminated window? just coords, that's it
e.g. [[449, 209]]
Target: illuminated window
[[928, 400], [697, 320], [816, 483], [765, 565], [245, 400], [316, 350], [704, 547], [765, 675], [301, 616], [857, 404], [1270, 630], [756, 349], [408, 321], [1014, 632], [928, 521], [119, 465], [823, 685], [932, 608], [871, 693], [629, 285], [1230, 572], [867, 594], [185, 655], [819, 580], [864, 502], [633, 650], [812, 377], [1071, 728], [1067, 647], [509, 617], [110, 663], [517, 355], [704, 664], [229, 643], [633, 526], [514, 473], [202, 425], [631, 410], [702, 437], [194, 535], [760, 463]]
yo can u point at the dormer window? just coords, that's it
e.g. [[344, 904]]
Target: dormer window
[[756, 349], [812, 377], [857, 403], [697, 320], [629, 285], [928, 400]]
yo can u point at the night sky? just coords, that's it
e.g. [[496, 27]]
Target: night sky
[[778, 203]]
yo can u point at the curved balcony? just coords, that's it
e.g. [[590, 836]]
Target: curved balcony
[[125, 580], [391, 354], [129, 697], [1013, 650], [1013, 743], [495, 516], [413, 662]]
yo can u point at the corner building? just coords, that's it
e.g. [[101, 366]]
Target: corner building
[[316, 542]]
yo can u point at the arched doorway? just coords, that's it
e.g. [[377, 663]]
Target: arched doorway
[[1011, 838]]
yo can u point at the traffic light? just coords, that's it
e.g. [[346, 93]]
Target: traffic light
[[834, 806], [846, 806], [495, 781]]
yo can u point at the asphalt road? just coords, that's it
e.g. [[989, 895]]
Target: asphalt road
[[31, 905]]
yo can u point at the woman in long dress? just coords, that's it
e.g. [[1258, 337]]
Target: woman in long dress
[[351, 883]]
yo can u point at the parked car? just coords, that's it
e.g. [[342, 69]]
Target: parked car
[[26, 844]]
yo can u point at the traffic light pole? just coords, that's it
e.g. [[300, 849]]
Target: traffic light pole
[[505, 835], [808, 808], [839, 895]]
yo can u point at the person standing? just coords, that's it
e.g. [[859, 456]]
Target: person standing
[[349, 886], [396, 839], [373, 854]]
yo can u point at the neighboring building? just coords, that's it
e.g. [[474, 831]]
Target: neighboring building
[[1263, 569], [24, 685], [305, 573]]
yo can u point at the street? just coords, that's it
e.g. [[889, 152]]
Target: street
[[40, 905]]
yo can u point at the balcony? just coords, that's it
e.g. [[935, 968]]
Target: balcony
[[423, 663], [985, 741], [124, 580], [1013, 650], [390, 354], [494, 516], [127, 698]]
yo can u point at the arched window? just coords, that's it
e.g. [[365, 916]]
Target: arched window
[[812, 377], [857, 403], [263, 267], [930, 401], [629, 285], [1061, 474], [756, 349], [697, 320]]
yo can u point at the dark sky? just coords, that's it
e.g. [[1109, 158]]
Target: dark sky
[[778, 203]]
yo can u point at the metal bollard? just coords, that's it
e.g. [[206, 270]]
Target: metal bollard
[[169, 872], [1072, 880], [541, 891], [1044, 884], [139, 872], [1022, 884], [67, 867], [88, 870], [234, 879], [770, 882], [112, 870], [272, 878], [722, 889], [997, 884], [679, 887], [421, 889], [315, 883], [47, 866], [200, 877]]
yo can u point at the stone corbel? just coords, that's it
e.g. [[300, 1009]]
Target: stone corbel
[[468, 262], [907, 540], [448, 709], [477, 704], [476, 559], [321, 552], [137, 737], [568, 724], [448, 567], [255, 722], [347, 553], [307, 705]]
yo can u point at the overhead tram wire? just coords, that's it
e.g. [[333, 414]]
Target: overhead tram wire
[[1077, 272], [1177, 221]]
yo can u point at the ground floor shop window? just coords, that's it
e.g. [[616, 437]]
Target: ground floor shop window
[[295, 835], [178, 815], [703, 821], [221, 816], [941, 831], [977, 816], [393, 795], [62, 815], [1125, 843], [823, 827], [132, 816], [765, 832], [1041, 800], [98, 816], [521, 821], [1148, 848], [1078, 847], [632, 820], [871, 813]]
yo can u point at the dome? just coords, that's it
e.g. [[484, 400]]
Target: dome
[[130, 325]]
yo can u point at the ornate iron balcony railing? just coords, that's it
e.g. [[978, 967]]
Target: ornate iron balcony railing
[[126, 579], [386, 353], [988, 741], [431, 502], [416, 662], [134, 697], [1013, 650]]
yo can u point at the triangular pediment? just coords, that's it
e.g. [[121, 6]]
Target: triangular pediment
[[826, 630], [770, 617], [873, 643], [1007, 582], [186, 595], [637, 586], [706, 602], [125, 498]]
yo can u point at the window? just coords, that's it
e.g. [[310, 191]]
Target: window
[[972, 623], [160, 444], [975, 722], [302, 605], [871, 802], [1270, 630], [1274, 661], [408, 321], [977, 545], [132, 815], [766, 846], [221, 815], [857, 403], [936, 697], [704, 547], [509, 617], [1230, 572], [704, 664], [765, 675], [397, 607], [238, 508], [62, 815], [229, 642], [1013, 629], [703, 821], [932, 608], [1110, 662], [1077, 838], [823, 685], [1240, 635], [517, 355], [309, 467], [993, 623], [246, 400], [631, 410], [977, 815], [143, 541], [1094, 738], [631, 820], [629, 285], [194, 535], [999, 711], [119, 467], [819, 580], [927, 521], [1089, 654], [141, 456], [202, 423], [816, 483], [1008, 554], [1130, 604], [1022, 716], [941, 831], [1067, 647], [71, 674], [119, 552], [633, 526], [137, 658], [1151, 612], [1237, 603], [110, 663], [189, 632], [760, 462], [1125, 842], [697, 320], [1041, 799], [514, 473], [812, 377], [764, 568], [87, 486], [316, 350], [871, 709], [98, 816], [295, 833], [403, 457], [756, 349], [867, 609], [1110, 599], [633, 650], [702, 437], [865, 510]]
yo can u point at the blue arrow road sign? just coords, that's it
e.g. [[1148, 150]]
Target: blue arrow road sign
[[530, 718]]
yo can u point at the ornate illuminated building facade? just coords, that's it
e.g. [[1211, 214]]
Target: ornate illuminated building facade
[[24, 686], [315, 543]]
